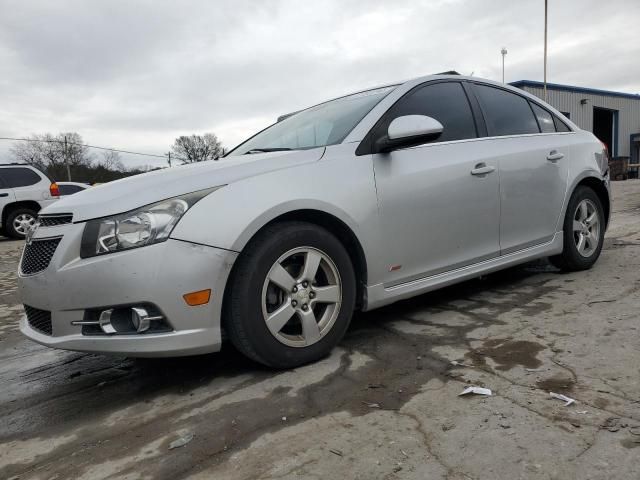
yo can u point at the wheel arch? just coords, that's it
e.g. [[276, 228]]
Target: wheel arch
[[331, 223], [10, 207], [598, 186]]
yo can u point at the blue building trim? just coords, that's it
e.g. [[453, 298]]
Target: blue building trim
[[633, 152], [615, 133], [571, 88]]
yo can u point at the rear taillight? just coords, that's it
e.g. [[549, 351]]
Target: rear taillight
[[54, 190]]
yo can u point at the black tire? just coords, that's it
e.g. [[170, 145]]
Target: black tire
[[570, 260], [9, 228], [242, 313]]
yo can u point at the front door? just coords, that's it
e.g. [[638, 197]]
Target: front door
[[6, 195], [438, 210]]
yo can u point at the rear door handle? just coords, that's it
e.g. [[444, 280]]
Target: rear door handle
[[482, 169], [554, 156], [4, 194]]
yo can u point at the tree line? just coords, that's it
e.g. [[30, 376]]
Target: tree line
[[66, 155]]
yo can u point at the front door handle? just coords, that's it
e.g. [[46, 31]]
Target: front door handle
[[482, 169], [4, 194], [554, 156]]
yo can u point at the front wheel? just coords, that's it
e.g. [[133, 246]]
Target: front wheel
[[291, 295], [19, 222], [584, 227]]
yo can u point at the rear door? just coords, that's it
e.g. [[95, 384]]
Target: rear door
[[533, 160], [26, 184], [436, 214], [6, 194]]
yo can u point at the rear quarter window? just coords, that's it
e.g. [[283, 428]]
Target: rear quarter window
[[15, 177], [560, 125], [545, 119], [505, 113]]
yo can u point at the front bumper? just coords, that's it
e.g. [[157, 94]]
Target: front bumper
[[158, 274]]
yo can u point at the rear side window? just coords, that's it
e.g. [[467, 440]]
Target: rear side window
[[545, 120], [560, 125], [505, 113], [14, 177], [446, 102], [69, 189]]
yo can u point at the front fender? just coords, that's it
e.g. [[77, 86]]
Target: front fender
[[340, 185]]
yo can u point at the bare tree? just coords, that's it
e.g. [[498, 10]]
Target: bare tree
[[48, 151], [111, 161], [197, 148]]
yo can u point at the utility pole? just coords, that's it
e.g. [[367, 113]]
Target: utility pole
[[545, 50], [504, 53], [169, 155], [66, 159]]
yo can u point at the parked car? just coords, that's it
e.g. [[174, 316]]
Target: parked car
[[24, 190], [69, 188], [354, 203]]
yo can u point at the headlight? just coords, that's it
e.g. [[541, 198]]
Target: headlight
[[137, 228]]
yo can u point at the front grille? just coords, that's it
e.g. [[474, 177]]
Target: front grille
[[39, 320], [37, 255], [55, 220]]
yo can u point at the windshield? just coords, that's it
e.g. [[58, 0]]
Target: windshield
[[326, 124]]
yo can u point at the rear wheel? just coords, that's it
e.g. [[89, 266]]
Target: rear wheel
[[19, 222], [291, 296], [584, 227]]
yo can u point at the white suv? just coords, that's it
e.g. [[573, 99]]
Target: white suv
[[24, 190]]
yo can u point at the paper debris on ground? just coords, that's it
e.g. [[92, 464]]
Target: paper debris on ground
[[533, 370], [371, 405], [476, 390], [568, 401], [460, 364], [181, 442]]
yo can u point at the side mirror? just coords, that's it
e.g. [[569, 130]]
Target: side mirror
[[408, 131]]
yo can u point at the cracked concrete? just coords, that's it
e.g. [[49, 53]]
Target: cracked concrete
[[384, 405]]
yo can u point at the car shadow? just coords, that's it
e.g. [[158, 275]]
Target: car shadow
[[81, 385]]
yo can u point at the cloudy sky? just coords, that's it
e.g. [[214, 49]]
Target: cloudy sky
[[136, 74]]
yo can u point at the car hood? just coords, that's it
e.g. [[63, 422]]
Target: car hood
[[139, 190]]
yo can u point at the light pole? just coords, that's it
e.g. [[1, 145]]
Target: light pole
[[545, 50], [504, 53]]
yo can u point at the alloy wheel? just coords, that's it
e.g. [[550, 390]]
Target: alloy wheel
[[301, 297], [23, 222], [586, 228]]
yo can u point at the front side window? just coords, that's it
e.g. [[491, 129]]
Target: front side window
[[505, 113], [446, 102], [545, 120], [14, 177], [326, 124]]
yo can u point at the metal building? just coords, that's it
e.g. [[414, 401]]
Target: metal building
[[614, 117]]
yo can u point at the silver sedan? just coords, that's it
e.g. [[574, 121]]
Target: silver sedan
[[354, 203]]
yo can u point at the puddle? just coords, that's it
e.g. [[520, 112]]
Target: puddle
[[507, 353], [557, 384]]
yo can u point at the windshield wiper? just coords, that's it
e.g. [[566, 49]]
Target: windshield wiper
[[264, 150]]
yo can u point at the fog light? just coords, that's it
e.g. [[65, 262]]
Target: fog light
[[141, 319], [121, 320], [200, 297]]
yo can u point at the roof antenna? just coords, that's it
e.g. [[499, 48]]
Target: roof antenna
[[471, 74]]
